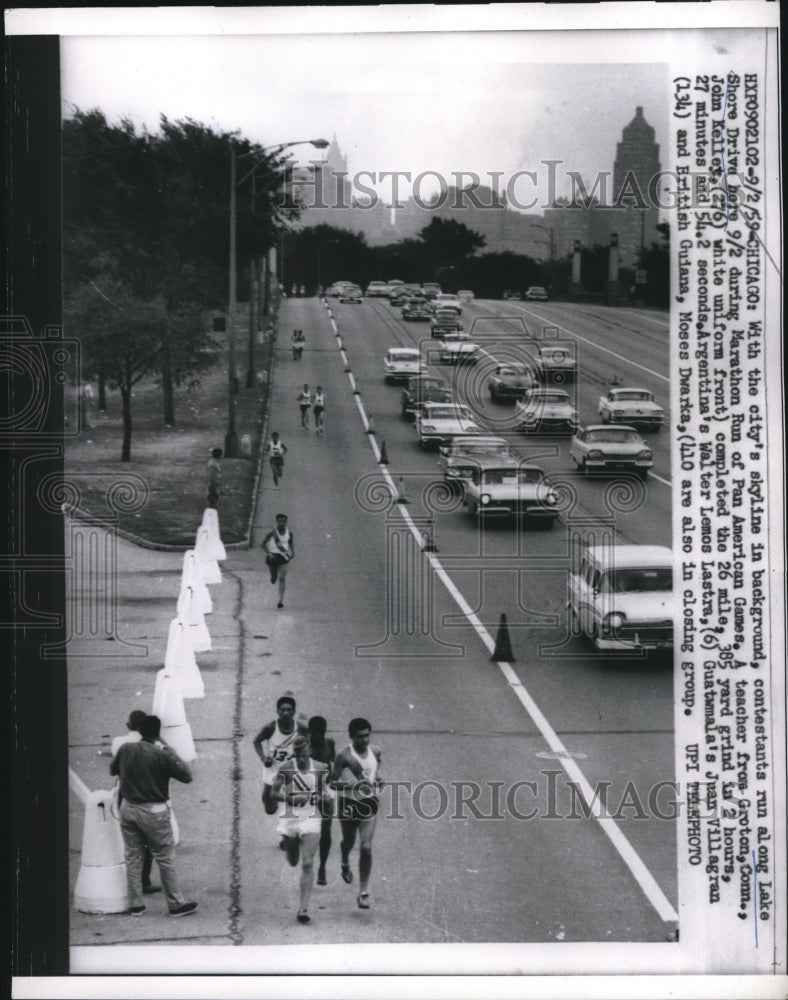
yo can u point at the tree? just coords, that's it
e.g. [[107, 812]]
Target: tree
[[320, 255], [447, 242]]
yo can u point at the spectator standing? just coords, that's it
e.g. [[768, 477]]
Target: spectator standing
[[134, 736], [214, 477], [145, 768]]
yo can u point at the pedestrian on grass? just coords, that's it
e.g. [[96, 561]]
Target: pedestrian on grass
[[214, 478], [276, 450], [279, 549], [304, 400], [145, 768]]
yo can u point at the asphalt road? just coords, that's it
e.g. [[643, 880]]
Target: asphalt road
[[374, 627]]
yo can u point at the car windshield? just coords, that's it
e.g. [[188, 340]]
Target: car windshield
[[632, 394], [512, 370], [612, 435], [471, 449], [404, 356], [550, 397], [447, 413], [637, 580], [431, 384], [510, 476]]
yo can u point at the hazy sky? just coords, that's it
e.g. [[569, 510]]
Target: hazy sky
[[429, 101]]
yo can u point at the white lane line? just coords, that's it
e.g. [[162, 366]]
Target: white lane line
[[597, 347], [626, 852]]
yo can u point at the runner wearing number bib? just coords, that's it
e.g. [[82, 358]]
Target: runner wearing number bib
[[274, 745]]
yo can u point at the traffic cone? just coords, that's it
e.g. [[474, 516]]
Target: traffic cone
[[179, 658], [384, 458], [503, 646], [209, 567], [194, 620], [101, 885], [401, 498], [168, 705], [210, 521], [191, 576]]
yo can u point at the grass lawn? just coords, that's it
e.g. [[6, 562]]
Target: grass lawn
[[160, 495]]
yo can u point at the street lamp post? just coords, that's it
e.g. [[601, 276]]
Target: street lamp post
[[231, 437]]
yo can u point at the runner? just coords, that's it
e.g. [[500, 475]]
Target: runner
[[276, 450], [304, 400], [356, 776], [323, 749], [279, 549], [320, 405], [274, 745], [301, 785]]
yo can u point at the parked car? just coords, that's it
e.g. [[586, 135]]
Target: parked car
[[444, 321], [447, 300], [352, 294], [636, 407], [460, 456], [511, 381], [546, 410], [377, 290], [556, 363], [510, 489], [455, 349], [415, 309], [510, 293], [465, 295], [423, 389], [431, 289], [536, 294], [602, 448], [439, 422], [621, 597], [401, 363]]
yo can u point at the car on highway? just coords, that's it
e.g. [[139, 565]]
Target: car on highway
[[636, 407], [546, 410], [511, 381], [447, 300], [606, 448], [377, 290], [437, 423], [352, 294], [416, 310], [444, 321], [536, 294], [460, 456], [512, 294], [555, 363], [454, 348], [401, 363], [510, 489], [465, 295], [621, 597], [431, 289], [399, 296], [423, 389]]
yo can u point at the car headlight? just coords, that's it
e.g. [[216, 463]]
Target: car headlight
[[428, 427], [614, 621], [645, 454], [618, 413], [452, 472], [551, 499], [485, 498], [595, 453]]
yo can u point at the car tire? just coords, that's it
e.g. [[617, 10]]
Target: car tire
[[604, 416], [643, 474]]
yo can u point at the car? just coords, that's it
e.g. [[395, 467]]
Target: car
[[440, 422], [444, 321], [401, 363], [431, 289], [511, 381], [423, 389], [546, 410], [536, 294], [460, 456], [352, 294], [415, 309], [465, 295], [510, 489], [377, 290], [636, 407], [621, 597], [395, 283], [446, 300], [604, 448], [399, 296], [454, 348], [510, 293], [556, 363]]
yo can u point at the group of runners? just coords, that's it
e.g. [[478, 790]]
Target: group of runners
[[306, 782]]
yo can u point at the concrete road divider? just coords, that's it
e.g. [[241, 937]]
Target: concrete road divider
[[210, 521], [180, 659], [207, 564], [101, 884], [168, 705], [191, 576], [193, 618]]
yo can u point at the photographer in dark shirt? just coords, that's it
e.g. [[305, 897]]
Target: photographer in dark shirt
[[145, 769]]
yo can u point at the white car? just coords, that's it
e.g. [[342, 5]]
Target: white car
[[621, 597], [556, 363], [446, 300], [400, 363], [511, 381], [536, 294], [636, 407], [461, 456], [352, 294], [465, 295], [604, 448], [440, 422], [546, 410], [510, 489], [455, 348], [377, 289]]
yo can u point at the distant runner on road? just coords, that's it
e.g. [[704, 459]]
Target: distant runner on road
[[276, 450], [356, 777], [279, 549], [304, 400], [318, 408]]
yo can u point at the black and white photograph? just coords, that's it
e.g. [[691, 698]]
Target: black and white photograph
[[396, 540]]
